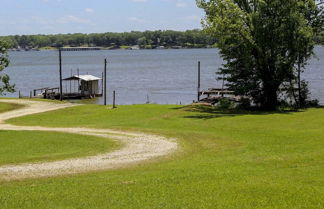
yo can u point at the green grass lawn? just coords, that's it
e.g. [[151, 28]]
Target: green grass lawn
[[227, 160], [26, 146], [4, 107]]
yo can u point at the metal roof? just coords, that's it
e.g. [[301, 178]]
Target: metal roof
[[83, 78]]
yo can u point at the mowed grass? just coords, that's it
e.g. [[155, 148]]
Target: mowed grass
[[227, 160], [4, 107], [26, 146]]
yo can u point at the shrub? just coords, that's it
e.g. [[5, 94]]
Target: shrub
[[245, 103], [225, 103]]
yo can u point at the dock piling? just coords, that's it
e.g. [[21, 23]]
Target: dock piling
[[198, 88], [114, 99], [105, 83], [61, 89], [102, 83]]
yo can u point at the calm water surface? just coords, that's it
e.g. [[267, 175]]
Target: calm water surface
[[160, 76]]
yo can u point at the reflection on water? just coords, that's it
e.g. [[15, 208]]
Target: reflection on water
[[157, 76]]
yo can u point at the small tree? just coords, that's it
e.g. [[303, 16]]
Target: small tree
[[4, 62], [265, 43]]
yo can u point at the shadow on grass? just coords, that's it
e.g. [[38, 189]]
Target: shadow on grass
[[210, 112]]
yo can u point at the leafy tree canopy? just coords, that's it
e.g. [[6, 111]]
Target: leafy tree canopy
[[4, 62], [262, 42]]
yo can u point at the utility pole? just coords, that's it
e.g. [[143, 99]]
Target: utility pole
[[105, 83], [198, 89], [61, 90]]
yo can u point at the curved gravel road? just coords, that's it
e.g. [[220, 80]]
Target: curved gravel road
[[137, 147]]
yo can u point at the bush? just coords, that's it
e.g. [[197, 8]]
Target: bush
[[245, 103], [313, 103], [148, 47], [225, 103]]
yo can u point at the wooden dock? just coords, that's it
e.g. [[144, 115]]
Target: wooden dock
[[216, 92], [54, 93], [214, 95], [46, 93], [81, 48]]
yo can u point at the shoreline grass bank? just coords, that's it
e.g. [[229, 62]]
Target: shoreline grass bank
[[227, 160]]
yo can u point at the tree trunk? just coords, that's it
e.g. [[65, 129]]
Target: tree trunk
[[299, 88], [270, 97]]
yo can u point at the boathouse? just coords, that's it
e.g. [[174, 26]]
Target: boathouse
[[83, 86]]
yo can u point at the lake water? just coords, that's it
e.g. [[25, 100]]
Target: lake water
[[138, 76]]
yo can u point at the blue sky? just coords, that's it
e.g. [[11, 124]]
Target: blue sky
[[92, 16]]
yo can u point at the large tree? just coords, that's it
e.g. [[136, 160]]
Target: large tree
[[263, 42], [4, 62]]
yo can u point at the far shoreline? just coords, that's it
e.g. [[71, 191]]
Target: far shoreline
[[116, 49], [109, 49]]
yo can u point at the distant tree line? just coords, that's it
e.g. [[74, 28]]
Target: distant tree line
[[147, 39]]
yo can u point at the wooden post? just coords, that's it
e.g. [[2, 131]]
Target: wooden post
[[105, 83], [223, 85], [102, 83], [30, 95], [78, 71], [114, 99], [147, 99], [61, 88], [19, 94], [198, 88], [299, 87], [71, 83]]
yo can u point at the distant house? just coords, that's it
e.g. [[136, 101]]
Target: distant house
[[160, 47], [136, 47]]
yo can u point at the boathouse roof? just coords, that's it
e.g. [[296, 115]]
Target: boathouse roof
[[83, 78]]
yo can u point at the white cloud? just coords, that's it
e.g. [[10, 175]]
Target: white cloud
[[193, 17], [181, 4], [72, 19], [89, 10], [141, 1], [136, 19], [46, 1], [39, 20]]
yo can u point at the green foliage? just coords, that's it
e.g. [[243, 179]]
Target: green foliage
[[225, 104], [166, 38], [262, 42], [244, 104], [241, 160], [4, 62], [320, 38]]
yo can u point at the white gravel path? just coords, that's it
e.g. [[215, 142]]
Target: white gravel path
[[137, 147]]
